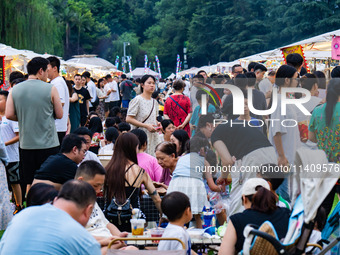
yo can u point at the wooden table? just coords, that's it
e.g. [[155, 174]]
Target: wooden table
[[197, 243]]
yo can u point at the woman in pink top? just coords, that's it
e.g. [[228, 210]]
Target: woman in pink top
[[146, 161]]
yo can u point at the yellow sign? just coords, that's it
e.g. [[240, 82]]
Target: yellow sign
[[294, 49]]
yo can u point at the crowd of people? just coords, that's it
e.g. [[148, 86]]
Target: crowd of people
[[67, 143]]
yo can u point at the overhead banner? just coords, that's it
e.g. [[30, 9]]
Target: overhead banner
[[295, 49], [2, 71]]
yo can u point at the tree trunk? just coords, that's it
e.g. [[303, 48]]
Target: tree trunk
[[78, 38], [67, 36]]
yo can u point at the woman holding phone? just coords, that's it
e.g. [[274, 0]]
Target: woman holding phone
[[143, 111]]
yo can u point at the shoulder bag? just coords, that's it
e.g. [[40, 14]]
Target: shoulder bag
[[120, 214]]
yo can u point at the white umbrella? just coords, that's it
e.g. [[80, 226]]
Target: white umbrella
[[91, 60]]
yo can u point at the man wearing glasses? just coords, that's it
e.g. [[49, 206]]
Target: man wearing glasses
[[59, 168], [87, 135], [235, 70]]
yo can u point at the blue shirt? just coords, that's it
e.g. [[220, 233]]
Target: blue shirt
[[196, 114], [47, 230], [190, 165]]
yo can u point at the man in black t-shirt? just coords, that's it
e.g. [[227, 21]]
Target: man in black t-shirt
[[126, 88], [83, 99], [59, 168], [242, 149]]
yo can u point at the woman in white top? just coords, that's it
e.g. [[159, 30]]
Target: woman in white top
[[284, 133], [143, 111], [285, 139], [101, 95]]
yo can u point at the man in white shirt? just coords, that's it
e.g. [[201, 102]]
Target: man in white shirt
[[92, 89], [59, 83], [111, 89], [98, 226], [161, 85], [108, 91], [186, 91], [266, 85], [115, 99]]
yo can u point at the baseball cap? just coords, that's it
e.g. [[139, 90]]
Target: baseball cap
[[249, 187]]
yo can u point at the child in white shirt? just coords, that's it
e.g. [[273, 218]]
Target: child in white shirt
[[176, 206]]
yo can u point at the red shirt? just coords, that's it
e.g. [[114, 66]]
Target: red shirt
[[177, 112]]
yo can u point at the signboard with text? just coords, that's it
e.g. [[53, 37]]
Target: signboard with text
[[295, 49], [2, 71]]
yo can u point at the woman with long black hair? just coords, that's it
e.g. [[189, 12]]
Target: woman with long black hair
[[102, 96], [124, 177], [324, 129], [310, 82], [180, 138]]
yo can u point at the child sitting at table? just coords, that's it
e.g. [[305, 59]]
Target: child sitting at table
[[176, 206], [274, 179]]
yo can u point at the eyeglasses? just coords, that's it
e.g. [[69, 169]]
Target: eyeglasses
[[84, 151]]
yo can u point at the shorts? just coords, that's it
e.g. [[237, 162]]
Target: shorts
[[83, 120], [125, 103], [12, 171], [110, 105], [61, 136], [107, 106], [31, 161]]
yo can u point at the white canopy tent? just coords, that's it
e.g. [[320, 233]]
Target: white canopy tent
[[317, 47], [192, 70], [17, 60], [9, 52], [91, 60], [140, 72], [171, 76]]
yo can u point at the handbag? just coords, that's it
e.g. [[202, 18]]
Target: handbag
[[120, 214]]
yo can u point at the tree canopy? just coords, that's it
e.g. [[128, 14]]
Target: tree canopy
[[212, 30]]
